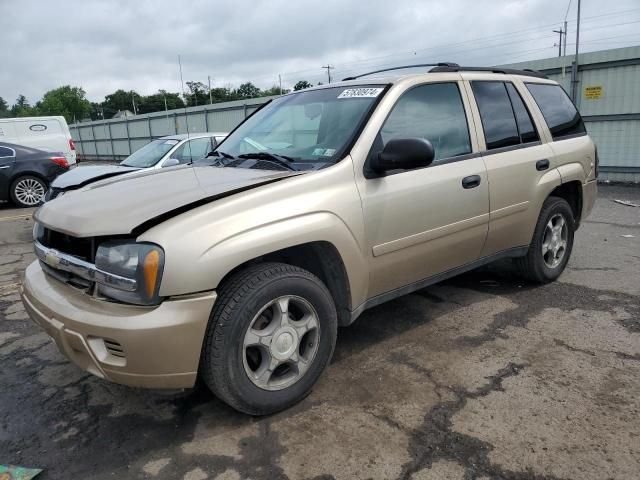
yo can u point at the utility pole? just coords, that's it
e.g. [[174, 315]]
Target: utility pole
[[574, 70], [209, 79], [329, 68], [564, 46], [561, 32], [280, 82]]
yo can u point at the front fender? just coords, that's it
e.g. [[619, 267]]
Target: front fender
[[206, 271]]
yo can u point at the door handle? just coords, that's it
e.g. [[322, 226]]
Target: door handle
[[542, 165], [471, 181]]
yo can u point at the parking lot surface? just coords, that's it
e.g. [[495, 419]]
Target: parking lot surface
[[481, 377]]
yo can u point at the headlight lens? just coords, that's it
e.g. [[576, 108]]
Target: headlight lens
[[143, 262]]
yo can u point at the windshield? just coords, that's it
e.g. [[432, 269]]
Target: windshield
[[150, 154], [302, 131]]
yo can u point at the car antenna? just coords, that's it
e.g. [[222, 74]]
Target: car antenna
[[186, 116]]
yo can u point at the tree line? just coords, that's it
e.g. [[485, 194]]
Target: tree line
[[71, 103]]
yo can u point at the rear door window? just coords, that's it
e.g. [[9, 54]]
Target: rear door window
[[498, 120], [558, 110], [526, 129]]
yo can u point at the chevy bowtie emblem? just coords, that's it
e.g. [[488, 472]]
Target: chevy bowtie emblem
[[51, 258]]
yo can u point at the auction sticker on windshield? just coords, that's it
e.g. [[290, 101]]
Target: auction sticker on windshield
[[369, 92]]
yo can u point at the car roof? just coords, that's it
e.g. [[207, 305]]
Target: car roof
[[401, 74], [184, 136]]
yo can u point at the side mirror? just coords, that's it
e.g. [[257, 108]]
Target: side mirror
[[171, 162], [403, 153]]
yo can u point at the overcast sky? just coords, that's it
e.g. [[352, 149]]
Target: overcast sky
[[134, 44]]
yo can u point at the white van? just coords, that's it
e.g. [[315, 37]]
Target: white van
[[45, 133]]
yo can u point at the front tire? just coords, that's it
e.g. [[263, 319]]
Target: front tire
[[270, 336], [27, 191], [551, 244]]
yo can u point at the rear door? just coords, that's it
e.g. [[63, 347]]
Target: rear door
[[516, 160], [7, 162]]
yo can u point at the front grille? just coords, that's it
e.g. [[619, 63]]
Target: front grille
[[114, 348], [83, 248]]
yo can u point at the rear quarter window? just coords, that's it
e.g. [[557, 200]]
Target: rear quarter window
[[558, 110]]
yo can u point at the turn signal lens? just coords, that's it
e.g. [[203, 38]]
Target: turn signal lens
[[150, 268]]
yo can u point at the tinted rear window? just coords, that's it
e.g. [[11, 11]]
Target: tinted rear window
[[558, 110], [527, 131], [498, 121]]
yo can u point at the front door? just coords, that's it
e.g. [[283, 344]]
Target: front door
[[426, 221]]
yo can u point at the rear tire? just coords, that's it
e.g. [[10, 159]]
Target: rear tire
[[27, 191], [270, 336], [551, 244]]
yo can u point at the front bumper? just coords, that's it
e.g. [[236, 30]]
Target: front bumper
[[152, 347]]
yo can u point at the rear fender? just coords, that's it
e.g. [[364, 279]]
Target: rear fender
[[571, 172]]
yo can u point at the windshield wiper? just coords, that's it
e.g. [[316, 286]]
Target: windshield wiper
[[281, 160], [221, 157]]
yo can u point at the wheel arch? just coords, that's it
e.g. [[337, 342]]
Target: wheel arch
[[571, 191], [322, 259], [27, 173]]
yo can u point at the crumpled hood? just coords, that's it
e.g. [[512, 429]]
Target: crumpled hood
[[119, 205], [82, 175]]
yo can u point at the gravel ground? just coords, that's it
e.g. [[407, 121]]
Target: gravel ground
[[480, 377]]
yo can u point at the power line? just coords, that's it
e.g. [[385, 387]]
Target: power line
[[567, 12]]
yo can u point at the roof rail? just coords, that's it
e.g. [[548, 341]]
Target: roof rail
[[436, 65], [507, 71]]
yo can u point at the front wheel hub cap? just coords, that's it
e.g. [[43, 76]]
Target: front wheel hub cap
[[284, 343]]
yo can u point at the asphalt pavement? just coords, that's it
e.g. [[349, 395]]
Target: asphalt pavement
[[481, 377]]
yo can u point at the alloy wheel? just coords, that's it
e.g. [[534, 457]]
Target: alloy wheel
[[554, 240], [281, 342], [29, 191]]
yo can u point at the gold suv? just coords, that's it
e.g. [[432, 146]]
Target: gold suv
[[325, 202]]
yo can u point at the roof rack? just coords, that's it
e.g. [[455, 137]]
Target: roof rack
[[436, 65], [507, 71]]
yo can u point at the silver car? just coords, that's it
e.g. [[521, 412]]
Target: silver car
[[163, 152]]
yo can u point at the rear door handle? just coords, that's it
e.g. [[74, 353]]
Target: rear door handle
[[471, 181], [542, 165]]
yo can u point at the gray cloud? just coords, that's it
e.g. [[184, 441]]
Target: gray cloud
[[103, 46]]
